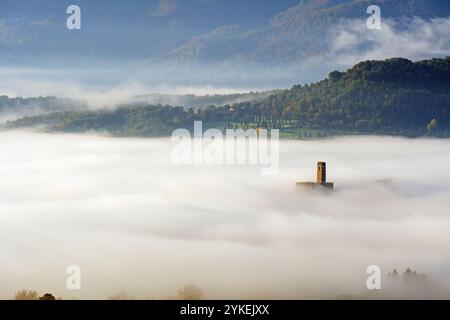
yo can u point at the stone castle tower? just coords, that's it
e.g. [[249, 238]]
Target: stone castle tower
[[321, 179], [321, 172]]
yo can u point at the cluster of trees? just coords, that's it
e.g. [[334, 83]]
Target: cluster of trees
[[408, 273], [188, 292], [395, 96], [200, 102], [32, 295], [144, 120]]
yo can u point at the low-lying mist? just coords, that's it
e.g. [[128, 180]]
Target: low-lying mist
[[135, 222]]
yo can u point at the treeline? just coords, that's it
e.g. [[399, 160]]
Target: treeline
[[147, 120], [188, 292], [38, 105], [395, 97], [199, 102]]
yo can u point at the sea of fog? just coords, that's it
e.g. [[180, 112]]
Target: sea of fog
[[136, 223]]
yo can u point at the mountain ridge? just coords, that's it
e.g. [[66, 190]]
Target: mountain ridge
[[297, 33]]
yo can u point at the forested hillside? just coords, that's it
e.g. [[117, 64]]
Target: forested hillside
[[201, 101], [395, 96]]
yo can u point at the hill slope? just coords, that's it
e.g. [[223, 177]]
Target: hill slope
[[198, 102], [303, 31], [395, 96]]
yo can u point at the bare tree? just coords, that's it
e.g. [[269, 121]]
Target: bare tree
[[26, 295]]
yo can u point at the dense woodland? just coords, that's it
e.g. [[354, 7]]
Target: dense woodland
[[395, 97]]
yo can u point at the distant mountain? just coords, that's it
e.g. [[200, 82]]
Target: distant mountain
[[395, 96], [302, 31]]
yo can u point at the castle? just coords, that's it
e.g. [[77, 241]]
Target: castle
[[321, 179]]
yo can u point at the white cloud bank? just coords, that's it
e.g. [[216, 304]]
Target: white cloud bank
[[414, 39], [133, 221], [35, 82]]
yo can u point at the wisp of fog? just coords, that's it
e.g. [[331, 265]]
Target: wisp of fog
[[134, 221]]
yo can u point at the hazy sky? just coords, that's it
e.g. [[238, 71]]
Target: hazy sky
[[133, 221]]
